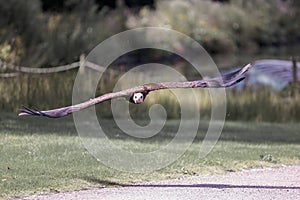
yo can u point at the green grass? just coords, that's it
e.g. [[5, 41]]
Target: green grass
[[40, 155]]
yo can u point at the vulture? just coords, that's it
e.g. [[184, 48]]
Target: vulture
[[138, 94]]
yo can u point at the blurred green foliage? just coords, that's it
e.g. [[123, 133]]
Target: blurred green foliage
[[38, 38], [240, 24], [50, 39], [21, 28]]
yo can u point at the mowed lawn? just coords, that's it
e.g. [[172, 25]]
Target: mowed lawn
[[40, 155]]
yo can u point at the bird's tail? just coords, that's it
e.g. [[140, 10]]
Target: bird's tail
[[236, 74], [227, 80]]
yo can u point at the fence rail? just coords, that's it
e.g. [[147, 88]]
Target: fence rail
[[9, 75], [29, 70]]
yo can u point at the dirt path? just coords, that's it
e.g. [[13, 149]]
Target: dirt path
[[271, 183]]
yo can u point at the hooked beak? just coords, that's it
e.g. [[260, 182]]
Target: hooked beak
[[139, 101]]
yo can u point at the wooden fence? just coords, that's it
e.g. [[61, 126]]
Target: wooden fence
[[47, 88], [17, 70]]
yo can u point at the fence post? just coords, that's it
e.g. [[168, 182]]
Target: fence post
[[84, 72], [295, 78], [81, 63]]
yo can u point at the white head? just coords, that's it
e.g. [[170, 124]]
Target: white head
[[138, 98]]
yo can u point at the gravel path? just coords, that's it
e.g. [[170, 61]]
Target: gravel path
[[269, 183]]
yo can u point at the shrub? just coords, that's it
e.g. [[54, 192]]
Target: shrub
[[50, 39], [223, 27]]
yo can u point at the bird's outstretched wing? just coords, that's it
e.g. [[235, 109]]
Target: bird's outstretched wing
[[226, 80]]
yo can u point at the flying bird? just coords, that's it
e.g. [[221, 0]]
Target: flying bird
[[138, 94]]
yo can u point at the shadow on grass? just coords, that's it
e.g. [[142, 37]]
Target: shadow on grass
[[103, 182], [217, 186]]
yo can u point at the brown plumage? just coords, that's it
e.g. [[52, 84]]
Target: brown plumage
[[140, 92]]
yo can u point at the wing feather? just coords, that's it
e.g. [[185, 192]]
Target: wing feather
[[226, 80]]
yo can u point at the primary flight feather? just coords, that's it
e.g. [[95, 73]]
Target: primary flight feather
[[138, 94]]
